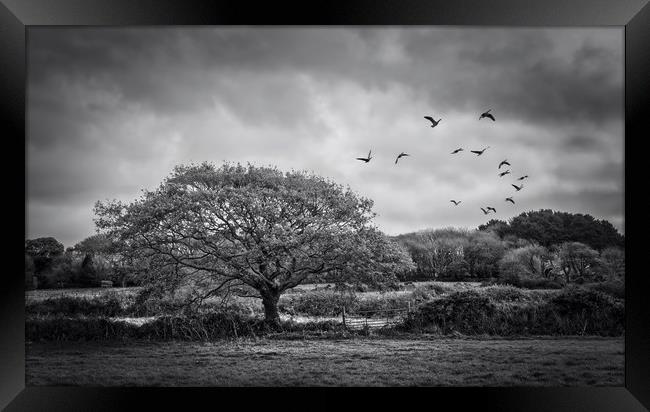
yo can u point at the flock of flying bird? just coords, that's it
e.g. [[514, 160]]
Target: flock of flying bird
[[505, 162]]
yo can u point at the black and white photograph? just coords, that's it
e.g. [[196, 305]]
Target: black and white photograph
[[226, 206]]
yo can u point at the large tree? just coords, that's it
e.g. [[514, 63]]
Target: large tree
[[256, 229]]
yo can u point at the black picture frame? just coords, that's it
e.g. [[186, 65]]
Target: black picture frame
[[16, 16]]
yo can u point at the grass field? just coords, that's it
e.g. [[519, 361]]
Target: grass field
[[424, 361], [88, 293]]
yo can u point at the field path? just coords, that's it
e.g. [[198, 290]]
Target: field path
[[349, 362]]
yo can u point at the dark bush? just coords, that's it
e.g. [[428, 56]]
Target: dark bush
[[575, 311], [540, 284], [463, 311], [528, 283], [61, 327], [613, 288], [574, 300]]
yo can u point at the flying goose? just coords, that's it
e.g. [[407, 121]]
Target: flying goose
[[518, 187], [479, 152], [401, 155], [488, 115], [433, 121], [365, 159]]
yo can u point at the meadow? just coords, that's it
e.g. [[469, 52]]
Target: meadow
[[366, 361], [457, 334]]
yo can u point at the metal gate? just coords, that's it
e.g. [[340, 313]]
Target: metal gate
[[375, 319]]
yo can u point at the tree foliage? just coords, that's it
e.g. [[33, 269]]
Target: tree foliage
[[43, 251], [532, 261], [483, 253], [254, 229], [547, 228], [612, 263], [437, 253], [577, 260]]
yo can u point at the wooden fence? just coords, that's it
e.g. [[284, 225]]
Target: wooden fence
[[375, 319]]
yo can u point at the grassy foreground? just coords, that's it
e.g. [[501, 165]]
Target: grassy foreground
[[570, 361]]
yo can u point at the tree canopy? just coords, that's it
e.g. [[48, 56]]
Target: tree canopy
[[43, 251], [547, 228], [250, 227], [46, 247]]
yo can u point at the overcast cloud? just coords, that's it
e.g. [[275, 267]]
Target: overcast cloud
[[112, 111]]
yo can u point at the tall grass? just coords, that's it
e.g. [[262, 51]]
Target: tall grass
[[199, 327]]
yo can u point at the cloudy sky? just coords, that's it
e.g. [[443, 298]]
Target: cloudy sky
[[112, 111]]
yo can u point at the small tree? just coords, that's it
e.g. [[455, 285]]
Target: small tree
[[102, 259], [612, 263], [437, 253], [531, 261], [43, 251], [577, 260], [255, 229], [483, 253]]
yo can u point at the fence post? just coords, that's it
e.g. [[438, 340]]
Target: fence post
[[344, 325]]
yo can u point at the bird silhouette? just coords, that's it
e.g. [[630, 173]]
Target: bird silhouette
[[479, 152], [505, 162], [365, 159], [504, 173], [460, 149], [401, 155], [434, 122], [523, 177], [488, 115], [485, 211], [491, 208], [455, 202], [518, 187], [509, 199]]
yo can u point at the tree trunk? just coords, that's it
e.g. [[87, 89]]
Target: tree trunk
[[270, 301]]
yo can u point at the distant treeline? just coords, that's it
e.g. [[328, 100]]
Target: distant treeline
[[538, 245], [549, 228], [49, 265]]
